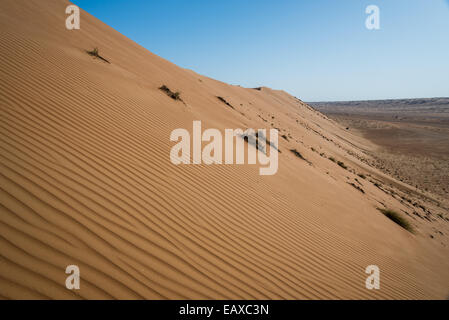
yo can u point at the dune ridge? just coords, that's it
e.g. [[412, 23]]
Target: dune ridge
[[86, 179]]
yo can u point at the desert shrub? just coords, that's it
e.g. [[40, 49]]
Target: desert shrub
[[299, 155], [225, 102], [361, 175], [357, 187], [95, 53], [332, 159], [342, 164], [174, 95], [397, 218], [164, 88]]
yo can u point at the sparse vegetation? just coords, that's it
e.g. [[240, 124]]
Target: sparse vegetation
[[174, 95], [284, 137], [357, 187], [265, 139], [332, 159], [342, 164], [225, 102], [361, 175], [397, 218], [299, 155], [95, 53]]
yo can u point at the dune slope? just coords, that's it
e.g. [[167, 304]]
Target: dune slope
[[86, 180]]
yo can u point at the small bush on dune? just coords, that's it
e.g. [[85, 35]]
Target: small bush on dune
[[397, 218], [164, 88], [95, 53], [357, 187], [342, 164], [361, 175], [332, 159], [225, 102], [299, 155], [174, 95]]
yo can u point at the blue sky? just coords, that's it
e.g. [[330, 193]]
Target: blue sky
[[317, 50]]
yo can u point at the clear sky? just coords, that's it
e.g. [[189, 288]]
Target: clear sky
[[317, 50]]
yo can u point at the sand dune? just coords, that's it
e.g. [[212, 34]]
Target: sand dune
[[86, 179]]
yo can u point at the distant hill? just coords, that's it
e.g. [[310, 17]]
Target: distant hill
[[435, 104], [428, 109]]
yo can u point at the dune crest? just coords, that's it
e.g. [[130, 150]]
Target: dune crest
[[86, 179]]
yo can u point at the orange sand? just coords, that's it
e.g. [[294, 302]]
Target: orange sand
[[86, 179]]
